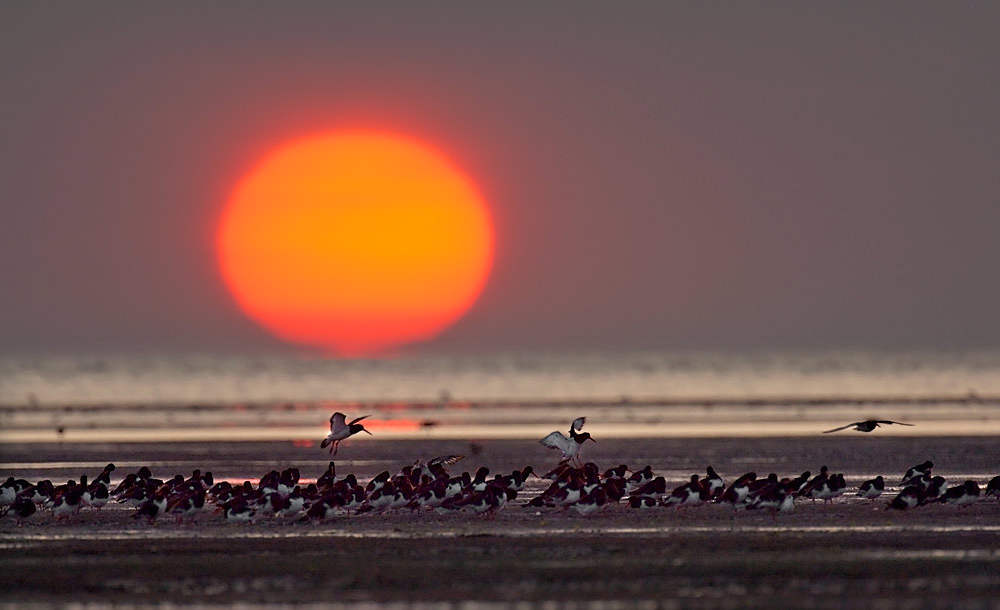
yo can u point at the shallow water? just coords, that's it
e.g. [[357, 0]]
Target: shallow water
[[154, 398]]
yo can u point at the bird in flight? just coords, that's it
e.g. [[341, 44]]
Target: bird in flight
[[867, 425], [570, 446], [340, 429]]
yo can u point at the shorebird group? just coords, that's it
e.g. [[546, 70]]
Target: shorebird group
[[277, 494], [921, 487], [429, 487], [572, 485]]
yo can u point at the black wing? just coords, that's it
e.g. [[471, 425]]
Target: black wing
[[446, 460], [354, 421], [855, 424]]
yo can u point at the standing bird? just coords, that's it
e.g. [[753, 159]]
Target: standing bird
[[872, 488], [570, 446], [689, 494], [918, 472], [20, 509], [867, 425], [993, 487], [340, 429], [714, 484]]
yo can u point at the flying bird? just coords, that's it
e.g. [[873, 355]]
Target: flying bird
[[569, 445], [867, 425], [340, 429]]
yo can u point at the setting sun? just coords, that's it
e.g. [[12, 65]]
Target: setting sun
[[355, 242]]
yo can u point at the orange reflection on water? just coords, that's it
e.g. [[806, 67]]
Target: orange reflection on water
[[393, 425]]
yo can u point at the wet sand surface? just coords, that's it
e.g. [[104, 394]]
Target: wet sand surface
[[852, 553]]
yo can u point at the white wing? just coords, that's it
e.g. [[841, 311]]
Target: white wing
[[578, 423], [556, 440], [338, 421]]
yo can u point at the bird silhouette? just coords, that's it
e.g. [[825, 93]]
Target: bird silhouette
[[340, 429], [866, 426]]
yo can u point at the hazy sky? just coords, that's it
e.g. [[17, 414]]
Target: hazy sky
[[661, 175]]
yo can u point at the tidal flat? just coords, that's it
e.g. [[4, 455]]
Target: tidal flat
[[852, 553]]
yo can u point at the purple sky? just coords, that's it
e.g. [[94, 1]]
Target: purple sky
[[661, 176]]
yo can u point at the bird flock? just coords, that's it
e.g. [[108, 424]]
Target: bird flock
[[428, 487]]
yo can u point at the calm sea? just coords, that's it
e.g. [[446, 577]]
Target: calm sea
[[205, 397]]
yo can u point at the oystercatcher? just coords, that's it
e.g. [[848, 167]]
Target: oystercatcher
[[590, 503], [8, 492], [127, 483], [806, 490], [237, 511], [39, 493], [909, 497], [479, 482], [993, 487], [322, 509], [489, 500], [152, 507], [517, 478], [776, 498], [922, 480], [435, 467], [872, 488], [570, 446], [867, 426], [638, 479], [431, 496], [691, 493], [340, 429], [737, 492], [655, 488], [328, 478], [293, 503], [795, 485], [934, 490], [714, 484], [66, 502], [966, 493], [641, 502], [22, 508], [918, 470], [186, 505], [96, 495]]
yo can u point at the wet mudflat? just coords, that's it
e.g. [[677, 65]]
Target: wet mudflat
[[851, 553], [822, 557]]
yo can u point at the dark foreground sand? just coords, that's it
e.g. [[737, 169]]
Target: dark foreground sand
[[852, 554]]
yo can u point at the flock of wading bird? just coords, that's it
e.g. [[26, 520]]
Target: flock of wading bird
[[574, 486]]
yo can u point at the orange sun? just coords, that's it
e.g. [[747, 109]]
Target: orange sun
[[355, 241]]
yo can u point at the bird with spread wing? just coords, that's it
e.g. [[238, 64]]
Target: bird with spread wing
[[569, 445], [867, 426], [340, 429]]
